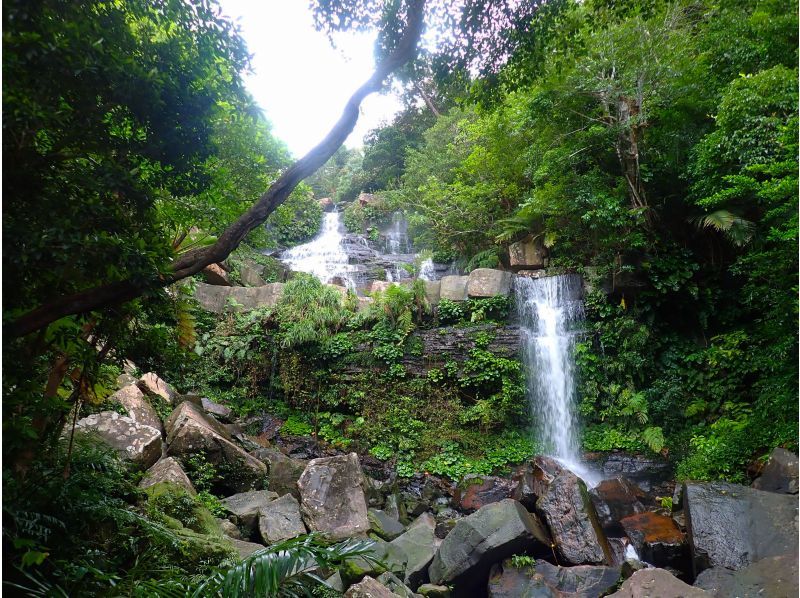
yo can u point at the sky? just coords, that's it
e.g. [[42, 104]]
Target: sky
[[299, 80]]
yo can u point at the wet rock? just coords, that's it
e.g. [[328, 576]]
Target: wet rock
[[528, 254], [779, 474], [167, 470], [418, 545], [453, 288], [614, 500], [656, 583], [332, 494], [544, 580], [151, 384], [773, 576], [733, 526], [657, 540], [384, 525], [565, 506], [214, 274], [137, 406], [631, 566], [247, 506], [652, 475], [369, 588], [217, 299], [522, 482], [283, 471], [280, 519], [221, 412], [488, 282], [474, 492], [134, 442], [479, 540]]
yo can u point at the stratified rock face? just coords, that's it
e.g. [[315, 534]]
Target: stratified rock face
[[418, 544], [332, 493], [190, 431], [216, 299], [133, 441], [453, 288], [369, 588], [774, 576], [779, 474], [284, 471], [479, 540], [167, 470], [569, 514], [150, 383], [474, 491], [657, 540], [487, 282], [248, 505], [281, 520], [549, 581], [657, 583], [616, 499], [528, 254], [733, 526], [137, 406]]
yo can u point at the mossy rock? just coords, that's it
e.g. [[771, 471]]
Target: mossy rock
[[168, 501]]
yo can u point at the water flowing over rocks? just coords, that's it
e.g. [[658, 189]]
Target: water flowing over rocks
[[133, 441], [544, 580], [333, 501]]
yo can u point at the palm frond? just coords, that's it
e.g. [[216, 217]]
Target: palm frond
[[737, 229]]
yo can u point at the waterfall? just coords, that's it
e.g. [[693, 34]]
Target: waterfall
[[551, 311], [397, 235], [323, 256], [427, 271]]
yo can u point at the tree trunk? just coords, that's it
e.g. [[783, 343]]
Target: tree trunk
[[195, 260]]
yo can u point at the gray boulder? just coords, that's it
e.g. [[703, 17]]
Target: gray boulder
[[488, 282], [217, 299], [733, 526], [151, 384], [332, 495], [244, 548], [657, 583], [433, 290], [773, 576], [544, 580], [418, 546], [250, 274], [281, 520], [219, 411], [369, 588], [453, 288], [779, 474], [167, 470], [565, 506], [393, 583], [384, 525], [284, 471], [248, 505], [133, 441], [489, 535], [137, 406]]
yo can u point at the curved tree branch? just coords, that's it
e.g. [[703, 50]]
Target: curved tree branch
[[195, 260]]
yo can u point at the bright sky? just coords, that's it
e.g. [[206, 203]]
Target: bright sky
[[300, 81]]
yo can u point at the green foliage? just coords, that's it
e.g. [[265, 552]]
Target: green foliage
[[308, 311], [295, 426], [522, 561]]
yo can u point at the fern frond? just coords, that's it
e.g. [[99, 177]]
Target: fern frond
[[737, 229]]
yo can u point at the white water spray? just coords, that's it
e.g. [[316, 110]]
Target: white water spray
[[427, 271], [551, 311]]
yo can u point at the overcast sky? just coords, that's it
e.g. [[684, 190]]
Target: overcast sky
[[300, 81]]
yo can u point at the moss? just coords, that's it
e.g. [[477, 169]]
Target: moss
[[171, 503]]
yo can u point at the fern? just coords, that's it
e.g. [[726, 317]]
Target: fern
[[737, 229], [653, 437]]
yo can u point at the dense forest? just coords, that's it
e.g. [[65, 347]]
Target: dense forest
[[649, 146]]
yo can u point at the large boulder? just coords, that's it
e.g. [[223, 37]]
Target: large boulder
[[544, 580], [433, 290], [417, 545], [167, 470], [245, 548], [772, 576], [656, 583], [281, 520], [216, 275], [487, 536], [369, 588], [284, 471], [657, 540], [488, 282], [614, 500], [247, 506], [219, 411], [137, 406], [528, 254], [733, 526], [190, 431], [151, 384], [217, 299], [453, 288], [133, 441], [250, 274], [332, 494], [565, 506], [779, 474], [474, 491]]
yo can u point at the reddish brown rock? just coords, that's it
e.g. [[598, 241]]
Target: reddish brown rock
[[475, 492], [614, 500], [658, 540], [214, 274]]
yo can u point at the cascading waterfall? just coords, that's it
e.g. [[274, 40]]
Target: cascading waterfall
[[427, 271], [323, 256], [551, 311]]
